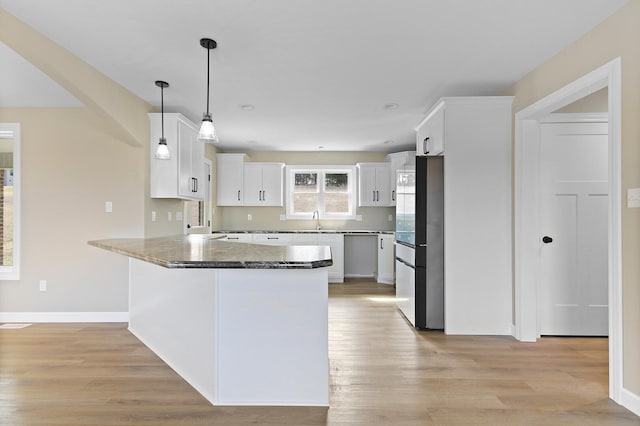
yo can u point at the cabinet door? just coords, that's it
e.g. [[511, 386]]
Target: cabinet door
[[383, 186], [240, 238], [272, 184], [273, 239], [422, 139], [386, 259], [199, 179], [435, 144], [366, 185], [252, 185], [230, 177], [186, 183], [336, 242]]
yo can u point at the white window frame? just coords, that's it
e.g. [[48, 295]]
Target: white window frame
[[322, 171]]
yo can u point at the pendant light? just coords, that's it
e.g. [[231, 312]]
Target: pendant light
[[207, 131], [162, 150]]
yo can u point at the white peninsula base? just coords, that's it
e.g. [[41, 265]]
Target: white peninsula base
[[238, 336]]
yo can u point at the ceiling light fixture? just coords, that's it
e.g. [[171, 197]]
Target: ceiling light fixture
[[391, 106], [162, 150], [247, 107], [207, 131], [389, 142]]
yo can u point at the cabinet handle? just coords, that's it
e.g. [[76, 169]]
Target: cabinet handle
[[381, 245], [424, 145], [377, 195], [259, 195], [238, 195], [233, 238], [393, 195], [264, 198], [273, 238], [196, 185], [373, 196]]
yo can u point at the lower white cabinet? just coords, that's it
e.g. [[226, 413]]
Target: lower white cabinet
[[336, 242], [239, 238], [273, 239], [386, 259]]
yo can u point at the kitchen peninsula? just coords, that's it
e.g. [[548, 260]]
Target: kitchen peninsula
[[244, 324]]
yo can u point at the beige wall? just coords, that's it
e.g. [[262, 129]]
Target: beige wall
[[70, 166], [595, 102], [618, 36], [268, 218]]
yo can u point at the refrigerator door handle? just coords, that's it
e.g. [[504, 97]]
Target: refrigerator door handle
[[405, 263], [422, 245]]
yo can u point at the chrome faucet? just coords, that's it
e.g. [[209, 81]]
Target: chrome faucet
[[316, 216]]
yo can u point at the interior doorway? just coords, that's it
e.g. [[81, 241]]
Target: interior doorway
[[527, 232]]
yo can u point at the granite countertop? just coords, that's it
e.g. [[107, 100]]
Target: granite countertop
[[205, 251], [307, 231]]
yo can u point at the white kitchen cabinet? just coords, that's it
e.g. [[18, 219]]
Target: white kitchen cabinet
[[239, 237], [374, 184], [396, 161], [230, 179], [477, 200], [273, 239], [336, 242], [182, 175], [263, 184], [430, 133], [386, 259]]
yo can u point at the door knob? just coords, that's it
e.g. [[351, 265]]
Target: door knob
[[547, 239]]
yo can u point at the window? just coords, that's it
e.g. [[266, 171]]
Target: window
[[9, 201], [329, 190]]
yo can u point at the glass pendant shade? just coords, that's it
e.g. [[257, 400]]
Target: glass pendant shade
[[207, 131], [162, 151]]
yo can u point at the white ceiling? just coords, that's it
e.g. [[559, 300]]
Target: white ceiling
[[318, 73]]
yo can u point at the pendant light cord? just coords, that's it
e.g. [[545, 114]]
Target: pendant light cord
[[208, 78], [162, 109]]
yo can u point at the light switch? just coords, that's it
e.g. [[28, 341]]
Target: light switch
[[108, 207], [249, 217], [153, 216], [633, 198]]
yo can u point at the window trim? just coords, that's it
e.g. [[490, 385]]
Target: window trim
[[12, 130], [322, 170]]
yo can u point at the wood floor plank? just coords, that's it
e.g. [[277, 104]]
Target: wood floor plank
[[383, 372]]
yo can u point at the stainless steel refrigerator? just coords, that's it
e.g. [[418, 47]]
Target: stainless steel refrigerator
[[420, 242]]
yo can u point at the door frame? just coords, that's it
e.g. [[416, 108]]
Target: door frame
[[527, 243]]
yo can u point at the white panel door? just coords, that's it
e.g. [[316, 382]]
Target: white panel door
[[573, 285]]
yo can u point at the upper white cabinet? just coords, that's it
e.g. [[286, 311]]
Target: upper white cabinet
[[430, 133], [181, 176], [396, 161], [374, 184], [263, 184], [230, 181]]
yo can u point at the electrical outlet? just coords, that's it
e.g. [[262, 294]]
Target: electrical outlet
[[169, 216], [43, 285], [108, 207], [633, 198], [153, 216], [359, 217], [283, 217], [390, 218], [249, 216]]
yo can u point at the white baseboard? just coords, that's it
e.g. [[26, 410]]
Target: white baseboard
[[64, 316], [630, 401]]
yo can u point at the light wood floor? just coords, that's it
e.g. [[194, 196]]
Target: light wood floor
[[382, 373]]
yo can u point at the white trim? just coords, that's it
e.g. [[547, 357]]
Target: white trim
[[576, 117], [526, 156], [64, 316], [630, 401]]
